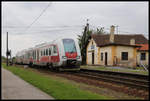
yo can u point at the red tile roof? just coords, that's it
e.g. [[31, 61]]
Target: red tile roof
[[143, 47]]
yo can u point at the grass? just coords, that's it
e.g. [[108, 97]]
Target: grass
[[56, 89], [138, 70]]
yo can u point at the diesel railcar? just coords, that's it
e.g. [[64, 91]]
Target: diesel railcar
[[60, 54]]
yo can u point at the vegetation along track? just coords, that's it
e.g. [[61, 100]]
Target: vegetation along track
[[132, 84]]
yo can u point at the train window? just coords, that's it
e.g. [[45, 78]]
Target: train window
[[69, 45], [41, 53], [46, 51], [54, 49], [35, 55], [49, 51], [28, 55]]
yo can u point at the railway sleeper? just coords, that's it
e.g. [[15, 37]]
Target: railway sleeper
[[139, 76], [145, 87], [143, 82]]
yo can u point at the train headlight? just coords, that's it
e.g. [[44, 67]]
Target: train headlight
[[64, 57], [78, 57]]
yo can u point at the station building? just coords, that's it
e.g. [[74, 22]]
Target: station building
[[117, 49]]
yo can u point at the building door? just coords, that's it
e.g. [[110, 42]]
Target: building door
[[92, 57], [105, 58]]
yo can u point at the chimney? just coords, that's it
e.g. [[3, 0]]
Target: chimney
[[132, 42], [112, 30]]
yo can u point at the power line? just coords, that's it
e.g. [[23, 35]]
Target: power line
[[11, 27], [48, 29], [117, 30], [38, 17]]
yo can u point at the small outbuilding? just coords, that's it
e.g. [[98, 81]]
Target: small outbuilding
[[114, 49], [143, 54]]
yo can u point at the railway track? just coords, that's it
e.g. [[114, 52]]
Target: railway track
[[138, 81], [132, 80], [132, 84]]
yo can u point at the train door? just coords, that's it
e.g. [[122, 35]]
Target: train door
[[35, 57], [54, 56], [50, 54], [38, 56], [105, 58]]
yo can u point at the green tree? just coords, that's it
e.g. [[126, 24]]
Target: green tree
[[100, 31], [84, 40]]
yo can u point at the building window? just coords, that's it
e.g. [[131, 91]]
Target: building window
[[143, 56], [92, 46], [124, 55], [101, 56]]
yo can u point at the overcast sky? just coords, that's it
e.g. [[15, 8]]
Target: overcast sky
[[67, 19]]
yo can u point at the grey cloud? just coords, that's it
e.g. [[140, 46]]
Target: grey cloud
[[130, 16]]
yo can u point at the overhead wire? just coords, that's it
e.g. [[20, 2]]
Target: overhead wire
[[106, 28], [38, 17]]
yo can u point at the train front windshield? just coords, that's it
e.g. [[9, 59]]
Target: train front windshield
[[69, 45]]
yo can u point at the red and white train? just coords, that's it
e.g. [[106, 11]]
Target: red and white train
[[63, 53]]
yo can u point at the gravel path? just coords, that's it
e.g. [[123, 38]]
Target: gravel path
[[15, 88]]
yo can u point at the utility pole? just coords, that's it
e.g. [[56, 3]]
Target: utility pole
[[87, 25], [10, 57], [7, 48]]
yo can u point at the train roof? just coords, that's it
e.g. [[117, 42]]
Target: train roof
[[42, 45]]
